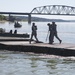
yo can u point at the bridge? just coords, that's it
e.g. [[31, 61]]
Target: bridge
[[47, 10], [54, 10], [18, 13]]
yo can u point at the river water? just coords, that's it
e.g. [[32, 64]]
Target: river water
[[21, 63], [66, 30]]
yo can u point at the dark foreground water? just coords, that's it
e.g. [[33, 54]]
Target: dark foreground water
[[20, 63]]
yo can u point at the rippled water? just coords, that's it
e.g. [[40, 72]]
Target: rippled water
[[20, 63]]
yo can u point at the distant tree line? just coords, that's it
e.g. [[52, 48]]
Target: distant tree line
[[2, 17]]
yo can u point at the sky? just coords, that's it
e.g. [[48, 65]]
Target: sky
[[28, 5]]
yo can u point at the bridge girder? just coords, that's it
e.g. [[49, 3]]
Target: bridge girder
[[54, 10]]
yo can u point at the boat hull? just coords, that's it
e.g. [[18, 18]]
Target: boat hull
[[14, 35]]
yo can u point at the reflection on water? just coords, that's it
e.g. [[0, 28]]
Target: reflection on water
[[21, 63]]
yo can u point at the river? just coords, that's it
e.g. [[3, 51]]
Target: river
[[22, 63], [66, 30]]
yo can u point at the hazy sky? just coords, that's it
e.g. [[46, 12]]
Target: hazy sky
[[28, 5]]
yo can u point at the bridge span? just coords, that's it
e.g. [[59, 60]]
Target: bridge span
[[54, 10], [47, 10], [18, 13]]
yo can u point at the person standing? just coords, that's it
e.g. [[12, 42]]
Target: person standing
[[34, 32], [50, 33], [54, 32]]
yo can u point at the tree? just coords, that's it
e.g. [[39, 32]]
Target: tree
[[2, 17]]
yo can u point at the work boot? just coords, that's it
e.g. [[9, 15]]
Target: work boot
[[29, 41], [60, 41]]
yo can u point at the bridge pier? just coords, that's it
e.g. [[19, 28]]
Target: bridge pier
[[9, 17], [29, 19]]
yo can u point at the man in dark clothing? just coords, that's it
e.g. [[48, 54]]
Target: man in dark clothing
[[54, 31], [34, 32], [50, 34]]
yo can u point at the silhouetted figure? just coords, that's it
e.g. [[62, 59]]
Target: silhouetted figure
[[15, 32], [34, 32], [17, 22], [10, 31], [50, 34], [54, 31]]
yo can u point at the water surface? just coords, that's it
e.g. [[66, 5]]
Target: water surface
[[20, 63]]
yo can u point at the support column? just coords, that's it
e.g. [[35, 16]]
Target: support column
[[29, 19], [9, 17]]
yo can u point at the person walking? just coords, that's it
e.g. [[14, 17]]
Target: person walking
[[54, 32], [34, 32]]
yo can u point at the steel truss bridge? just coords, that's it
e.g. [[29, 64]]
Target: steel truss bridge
[[54, 10], [47, 10]]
